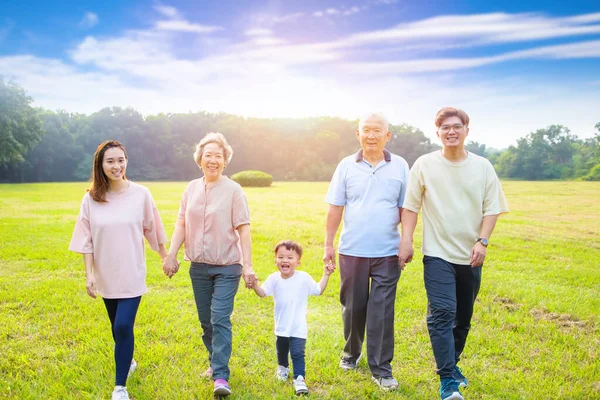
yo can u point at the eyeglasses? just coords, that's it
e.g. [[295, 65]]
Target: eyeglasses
[[447, 128]]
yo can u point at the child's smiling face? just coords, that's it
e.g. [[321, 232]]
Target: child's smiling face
[[287, 261]]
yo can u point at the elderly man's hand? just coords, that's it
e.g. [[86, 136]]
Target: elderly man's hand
[[329, 255]]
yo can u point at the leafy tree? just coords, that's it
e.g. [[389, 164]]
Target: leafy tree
[[476, 148], [20, 127]]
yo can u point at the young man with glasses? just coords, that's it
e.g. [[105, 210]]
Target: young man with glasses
[[461, 198]]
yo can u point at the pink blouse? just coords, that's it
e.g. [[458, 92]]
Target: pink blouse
[[114, 233], [212, 212]]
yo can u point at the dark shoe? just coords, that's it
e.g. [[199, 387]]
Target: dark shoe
[[449, 390], [459, 377]]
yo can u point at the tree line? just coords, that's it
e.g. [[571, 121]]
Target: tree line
[[39, 145]]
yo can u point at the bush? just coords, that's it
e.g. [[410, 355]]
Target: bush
[[253, 178], [594, 174]]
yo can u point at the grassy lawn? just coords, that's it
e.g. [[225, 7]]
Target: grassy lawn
[[536, 328]]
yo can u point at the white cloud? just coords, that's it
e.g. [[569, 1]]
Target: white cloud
[[267, 77], [167, 11], [479, 29], [318, 14], [258, 32], [185, 26], [273, 19], [89, 20], [352, 10]]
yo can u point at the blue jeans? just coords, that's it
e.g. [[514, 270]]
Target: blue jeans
[[295, 347], [121, 313], [451, 292], [215, 287]]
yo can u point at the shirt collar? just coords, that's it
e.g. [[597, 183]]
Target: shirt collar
[[387, 156]]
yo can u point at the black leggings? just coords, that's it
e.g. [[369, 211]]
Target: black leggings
[[122, 314]]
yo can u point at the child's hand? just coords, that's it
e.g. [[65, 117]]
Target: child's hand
[[329, 268]]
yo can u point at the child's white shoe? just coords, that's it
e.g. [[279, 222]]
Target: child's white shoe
[[120, 393], [282, 373]]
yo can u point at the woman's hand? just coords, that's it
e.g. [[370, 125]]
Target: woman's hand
[[170, 266], [249, 276], [90, 286]]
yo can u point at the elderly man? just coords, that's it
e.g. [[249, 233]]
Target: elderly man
[[461, 198], [368, 189]]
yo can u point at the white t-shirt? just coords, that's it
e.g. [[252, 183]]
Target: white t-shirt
[[291, 300], [454, 197]]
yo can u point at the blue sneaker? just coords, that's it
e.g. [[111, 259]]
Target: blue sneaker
[[459, 377], [449, 390]]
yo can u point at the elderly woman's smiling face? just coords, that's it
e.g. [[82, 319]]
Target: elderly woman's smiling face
[[212, 162]]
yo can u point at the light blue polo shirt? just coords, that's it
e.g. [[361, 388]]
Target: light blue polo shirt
[[371, 196]]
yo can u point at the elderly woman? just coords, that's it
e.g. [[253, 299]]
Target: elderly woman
[[214, 224]]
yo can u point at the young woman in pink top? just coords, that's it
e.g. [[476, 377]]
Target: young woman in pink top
[[214, 224], [115, 216]]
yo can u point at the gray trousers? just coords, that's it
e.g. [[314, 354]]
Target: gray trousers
[[215, 287], [368, 294]]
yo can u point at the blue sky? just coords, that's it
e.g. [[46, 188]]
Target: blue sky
[[514, 66]]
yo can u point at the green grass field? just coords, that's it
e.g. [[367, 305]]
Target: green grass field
[[535, 335]]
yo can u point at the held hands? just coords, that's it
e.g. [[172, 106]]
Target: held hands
[[170, 266], [329, 255], [329, 269], [249, 277], [405, 253]]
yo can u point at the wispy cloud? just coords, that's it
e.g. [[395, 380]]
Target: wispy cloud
[[321, 74], [330, 12], [167, 11], [89, 20], [258, 32], [185, 26]]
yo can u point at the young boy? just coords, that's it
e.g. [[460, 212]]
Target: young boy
[[290, 289]]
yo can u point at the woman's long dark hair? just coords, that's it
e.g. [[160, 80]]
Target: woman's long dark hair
[[99, 181]]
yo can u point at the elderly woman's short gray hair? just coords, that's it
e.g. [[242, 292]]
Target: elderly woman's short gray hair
[[213, 137]]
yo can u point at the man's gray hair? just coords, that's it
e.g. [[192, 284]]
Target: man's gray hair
[[377, 115], [213, 137]]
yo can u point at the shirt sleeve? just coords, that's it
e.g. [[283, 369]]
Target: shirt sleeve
[[314, 287], [336, 195], [240, 213], [154, 231], [414, 189], [404, 183], [269, 285], [183, 202], [81, 241], [494, 202]]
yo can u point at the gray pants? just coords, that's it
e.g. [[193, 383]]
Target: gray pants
[[368, 294], [451, 293], [215, 287]]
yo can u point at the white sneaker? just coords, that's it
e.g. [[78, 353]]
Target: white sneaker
[[282, 373], [387, 383], [120, 393], [300, 386], [132, 367]]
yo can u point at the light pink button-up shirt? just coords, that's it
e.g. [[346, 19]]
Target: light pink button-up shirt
[[114, 232], [212, 212]]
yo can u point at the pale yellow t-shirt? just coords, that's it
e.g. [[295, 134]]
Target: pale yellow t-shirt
[[454, 198]]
